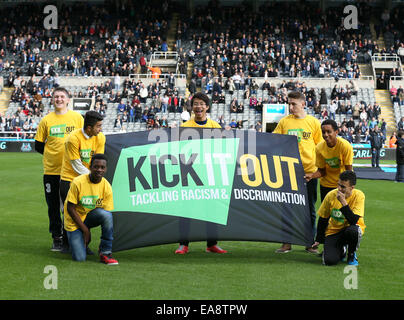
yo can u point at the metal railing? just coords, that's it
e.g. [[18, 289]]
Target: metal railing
[[385, 57], [15, 135], [164, 55], [366, 78], [151, 75]]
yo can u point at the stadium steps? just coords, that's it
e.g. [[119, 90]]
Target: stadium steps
[[190, 68], [365, 70], [172, 32], [5, 99], [387, 112], [380, 41]]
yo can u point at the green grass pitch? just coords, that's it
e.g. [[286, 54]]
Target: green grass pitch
[[251, 270]]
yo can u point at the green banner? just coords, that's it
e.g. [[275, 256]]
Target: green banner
[[177, 175]]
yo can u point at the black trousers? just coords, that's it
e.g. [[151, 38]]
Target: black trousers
[[311, 199], [375, 157], [51, 185], [334, 244], [211, 232], [64, 189], [324, 191]]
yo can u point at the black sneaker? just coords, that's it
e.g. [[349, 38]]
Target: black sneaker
[[65, 248], [57, 244], [89, 252]]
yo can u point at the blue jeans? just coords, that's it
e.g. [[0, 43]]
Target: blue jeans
[[94, 218]]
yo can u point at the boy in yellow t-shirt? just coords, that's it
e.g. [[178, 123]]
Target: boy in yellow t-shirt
[[200, 105], [88, 204], [79, 148], [341, 221], [50, 137], [334, 155], [308, 132]]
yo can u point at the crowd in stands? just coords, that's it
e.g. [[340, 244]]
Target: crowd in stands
[[91, 40], [237, 42], [357, 121], [231, 42], [391, 26]]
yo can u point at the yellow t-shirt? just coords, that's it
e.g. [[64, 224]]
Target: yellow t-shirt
[[308, 132], [333, 160], [330, 207], [53, 130], [87, 196], [209, 124], [78, 146]]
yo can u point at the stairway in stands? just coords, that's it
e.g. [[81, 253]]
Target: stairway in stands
[[171, 41], [172, 33], [383, 97], [366, 71], [387, 113]]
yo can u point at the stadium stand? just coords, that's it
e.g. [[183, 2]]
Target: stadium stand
[[109, 53]]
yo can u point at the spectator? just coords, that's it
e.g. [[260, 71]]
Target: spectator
[[383, 128], [333, 108], [164, 122], [164, 103], [233, 124], [221, 121], [363, 116], [376, 143], [400, 124], [373, 123], [118, 124], [240, 107], [240, 124], [392, 140], [234, 105], [351, 123], [121, 107], [400, 156], [253, 102], [185, 115]]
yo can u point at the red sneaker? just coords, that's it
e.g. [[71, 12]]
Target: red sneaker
[[215, 249], [108, 260], [182, 249]]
